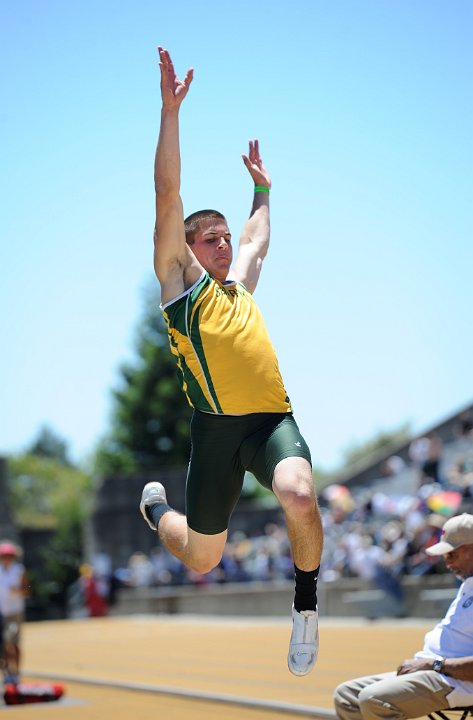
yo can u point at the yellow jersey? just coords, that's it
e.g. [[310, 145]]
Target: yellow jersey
[[226, 361]]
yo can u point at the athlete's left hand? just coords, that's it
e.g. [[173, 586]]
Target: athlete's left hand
[[255, 166]]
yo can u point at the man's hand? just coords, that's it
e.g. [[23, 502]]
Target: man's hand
[[173, 90], [414, 664], [255, 166]]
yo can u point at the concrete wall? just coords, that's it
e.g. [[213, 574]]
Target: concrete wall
[[116, 527], [424, 598]]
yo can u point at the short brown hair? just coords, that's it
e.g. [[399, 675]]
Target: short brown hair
[[193, 222]]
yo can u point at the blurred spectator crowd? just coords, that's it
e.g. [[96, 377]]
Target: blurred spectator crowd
[[378, 533]]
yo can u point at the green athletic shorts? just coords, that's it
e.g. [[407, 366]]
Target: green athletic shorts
[[223, 448]]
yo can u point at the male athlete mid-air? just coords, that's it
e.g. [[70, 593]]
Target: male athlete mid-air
[[242, 419]]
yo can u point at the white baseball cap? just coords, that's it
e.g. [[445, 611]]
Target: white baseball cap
[[457, 531]]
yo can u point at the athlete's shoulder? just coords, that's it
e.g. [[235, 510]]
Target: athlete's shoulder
[[190, 293]]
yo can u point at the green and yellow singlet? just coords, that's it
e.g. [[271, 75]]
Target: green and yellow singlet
[[226, 362]]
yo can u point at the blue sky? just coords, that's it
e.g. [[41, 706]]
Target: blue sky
[[363, 109]]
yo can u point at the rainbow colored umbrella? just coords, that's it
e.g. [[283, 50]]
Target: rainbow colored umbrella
[[446, 502], [339, 496]]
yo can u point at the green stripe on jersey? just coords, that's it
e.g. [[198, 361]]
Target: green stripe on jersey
[[188, 381], [194, 337]]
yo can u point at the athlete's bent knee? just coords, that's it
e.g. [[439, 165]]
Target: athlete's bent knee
[[203, 565], [298, 500], [204, 559]]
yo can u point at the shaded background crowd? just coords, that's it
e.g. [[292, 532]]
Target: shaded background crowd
[[83, 537], [378, 532]]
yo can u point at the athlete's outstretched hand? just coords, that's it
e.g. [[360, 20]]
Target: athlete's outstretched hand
[[173, 90], [255, 166]]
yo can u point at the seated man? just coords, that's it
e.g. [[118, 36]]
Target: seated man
[[441, 674]]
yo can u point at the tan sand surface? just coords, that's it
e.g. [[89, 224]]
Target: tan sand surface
[[241, 657]]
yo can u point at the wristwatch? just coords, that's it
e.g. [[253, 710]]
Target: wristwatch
[[438, 664]]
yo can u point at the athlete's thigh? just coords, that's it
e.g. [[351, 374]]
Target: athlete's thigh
[[282, 439], [215, 475]]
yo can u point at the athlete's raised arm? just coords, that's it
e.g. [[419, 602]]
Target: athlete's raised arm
[[171, 254], [254, 240]]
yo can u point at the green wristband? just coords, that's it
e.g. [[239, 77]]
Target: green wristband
[[261, 188]]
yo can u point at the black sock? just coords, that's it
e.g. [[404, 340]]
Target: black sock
[[306, 589], [156, 511]]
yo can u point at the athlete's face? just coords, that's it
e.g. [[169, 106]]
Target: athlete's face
[[213, 247], [460, 561]]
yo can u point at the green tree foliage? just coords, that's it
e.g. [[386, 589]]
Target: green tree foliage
[[49, 445], [150, 414], [46, 493]]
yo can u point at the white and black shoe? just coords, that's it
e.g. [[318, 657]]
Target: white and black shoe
[[304, 645], [153, 492]]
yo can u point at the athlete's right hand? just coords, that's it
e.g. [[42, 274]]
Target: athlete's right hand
[[254, 165], [173, 90]]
